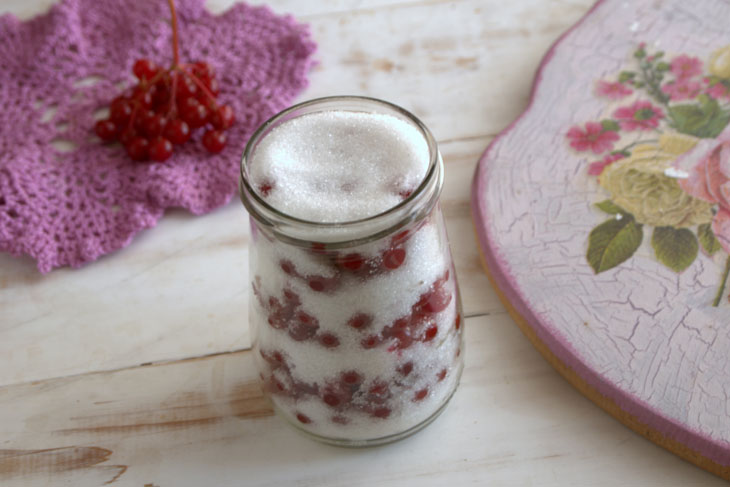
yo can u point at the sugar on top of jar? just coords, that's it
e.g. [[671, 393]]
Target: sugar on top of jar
[[339, 166]]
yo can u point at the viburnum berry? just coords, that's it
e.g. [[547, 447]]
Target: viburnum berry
[[144, 69], [106, 130], [214, 141], [166, 106], [138, 148], [177, 131], [223, 117], [160, 149]]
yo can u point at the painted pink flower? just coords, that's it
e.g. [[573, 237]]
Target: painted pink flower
[[596, 168], [613, 90], [593, 138], [708, 168], [681, 89], [717, 91], [685, 67], [641, 115]]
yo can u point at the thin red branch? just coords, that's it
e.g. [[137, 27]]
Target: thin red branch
[[175, 48]]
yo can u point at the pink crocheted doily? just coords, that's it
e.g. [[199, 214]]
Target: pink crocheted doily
[[68, 207]]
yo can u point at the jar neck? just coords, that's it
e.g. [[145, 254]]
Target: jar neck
[[348, 233]]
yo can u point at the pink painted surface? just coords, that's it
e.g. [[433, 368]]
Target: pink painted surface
[[640, 333]]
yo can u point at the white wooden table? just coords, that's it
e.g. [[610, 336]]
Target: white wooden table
[[164, 393]]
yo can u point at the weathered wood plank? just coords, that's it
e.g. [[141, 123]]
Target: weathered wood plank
[[513, 421]]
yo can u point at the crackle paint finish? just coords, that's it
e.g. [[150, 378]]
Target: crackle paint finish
[[645, 322]]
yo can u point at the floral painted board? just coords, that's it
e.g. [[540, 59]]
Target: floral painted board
[[603, 215]]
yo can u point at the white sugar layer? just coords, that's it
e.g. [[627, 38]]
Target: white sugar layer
[[339, 166]]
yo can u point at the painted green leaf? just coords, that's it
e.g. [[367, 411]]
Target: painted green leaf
[[610, 125], [706, 120], [676, 248], [707, 239], [624, 76], [608, 206], [612, 242], [715, 126]]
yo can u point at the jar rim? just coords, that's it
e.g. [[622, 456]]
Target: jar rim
[[259, 208]]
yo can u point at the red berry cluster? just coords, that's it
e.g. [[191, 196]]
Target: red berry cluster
[[286, 315], [166, 106], [351, 263], [418, 326], [347, 391], [163, 110]]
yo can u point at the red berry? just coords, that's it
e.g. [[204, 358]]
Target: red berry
[[352, 262], [400, 237], [143, 96], [144, 69], [420, 395], [394, 258], [434, 301], [160, 149], [304, 327], [202, 70], [213, 87], [340, 419], [138, 148], [329, 340], [196, 115], [153, 124], [161, 93], [457, 323], [223, 117], [351, 378], [214, 141], [382, 413], [177, 131], [292, 297], [265, 189], [378, 393], [360, 321], [370, 342], [303, 418], [322, 284], [127, 136], [318, 247], [106, 130], [331, 399], [288, 267], [441, 375], [186, 87], [120, 111], [431, 333], [405, 369]]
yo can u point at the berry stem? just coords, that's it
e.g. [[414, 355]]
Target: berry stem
[[175, 48], [173, 94], [203, 88]]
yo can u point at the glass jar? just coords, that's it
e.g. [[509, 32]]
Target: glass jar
[[356, 326]]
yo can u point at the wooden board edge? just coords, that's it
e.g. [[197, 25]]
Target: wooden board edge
[[602, 401]]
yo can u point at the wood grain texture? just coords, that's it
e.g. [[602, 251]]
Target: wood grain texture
[[642, 337], [178, 291], [513, 421], [182, 285]]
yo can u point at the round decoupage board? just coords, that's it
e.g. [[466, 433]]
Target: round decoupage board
[[603, 215]]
